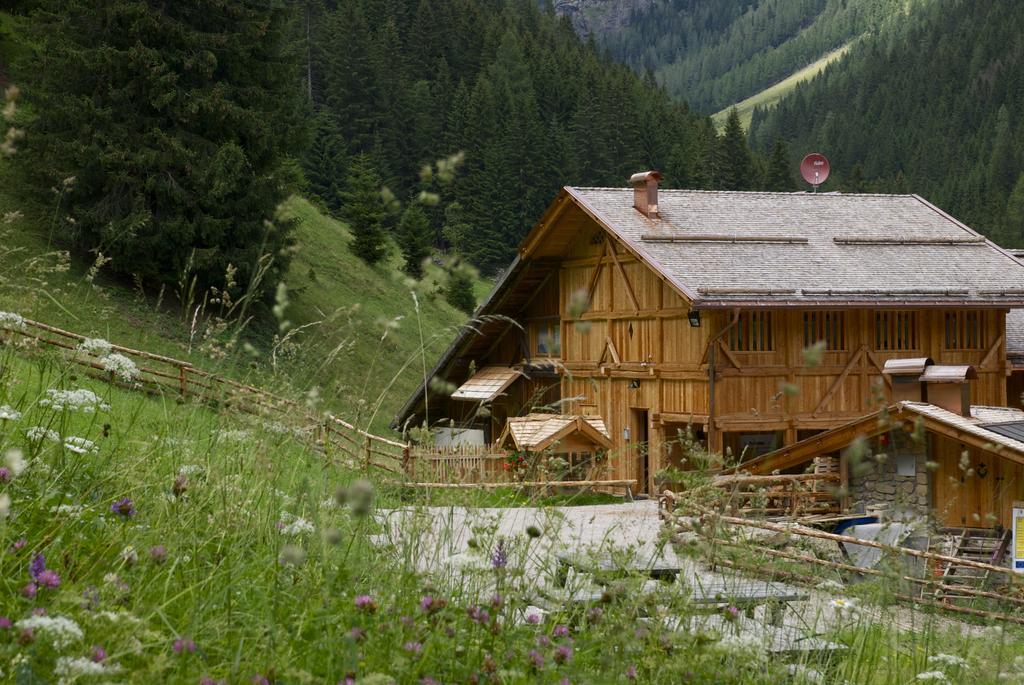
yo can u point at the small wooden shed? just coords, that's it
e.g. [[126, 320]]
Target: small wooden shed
[[581, 440]]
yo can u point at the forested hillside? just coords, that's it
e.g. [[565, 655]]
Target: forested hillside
[[398, 84], [714, 54], [931, 105]]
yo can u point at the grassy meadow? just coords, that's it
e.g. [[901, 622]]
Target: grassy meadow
[[146, 539], [353, 331], [772, 94]]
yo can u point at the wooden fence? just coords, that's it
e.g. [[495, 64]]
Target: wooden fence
[[459, 464], [158, 374], [1005, 591], [781, 495]]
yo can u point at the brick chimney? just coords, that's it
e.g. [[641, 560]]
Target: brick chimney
[[949, 387], [645, 192], [906, 378]]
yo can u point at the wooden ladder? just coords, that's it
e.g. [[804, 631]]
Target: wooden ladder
[[974, 546]]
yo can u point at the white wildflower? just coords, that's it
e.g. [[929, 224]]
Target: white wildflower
[[80, 445], [36, 433], [129, 555], [8, 413], [70, 510], [97, 347], [932, 676], [61, 631], [232, 435], [5, 505], [745, 644], [831, 586], [119, 617], [845, 606], [71, 668], [276, 427], [805, 674], [15, 461], [82, 400], [121, 366], [190, 470], [947, 660], [295, 525], [111, 579], [12, 321]]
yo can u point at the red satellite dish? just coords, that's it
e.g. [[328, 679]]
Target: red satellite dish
[[814, 168]]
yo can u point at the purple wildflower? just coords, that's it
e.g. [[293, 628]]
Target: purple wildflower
[[357, 634], [499, 557], [563, 654], [158, 554], [497, 601], [366, 603], [37, 566], [30, 590], [48, 579], [533, 619], [413, 647], [427, 680], [5, 474], [18, 544], [5, 623], [406, 621], [543, 640], [732, 613], [123, 507], [98, 654], [26, 637], [631, 672], [349, 679], [479, 615], [259, 679], [432, 605], [536, 659], [39, 611], [561, 631], [184, 644]]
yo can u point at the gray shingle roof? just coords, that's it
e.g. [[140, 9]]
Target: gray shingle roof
[[777, 249], [1015, 336]]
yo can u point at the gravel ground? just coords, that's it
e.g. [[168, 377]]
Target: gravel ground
[[445, 541]]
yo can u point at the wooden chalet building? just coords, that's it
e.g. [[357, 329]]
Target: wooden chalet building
[[659, 309]]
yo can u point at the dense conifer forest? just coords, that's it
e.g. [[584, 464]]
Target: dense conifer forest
[[395, 85], [931, 105]]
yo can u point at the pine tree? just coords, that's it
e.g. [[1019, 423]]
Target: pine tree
[[175, 120], [324, 161], [734, 156], [363, 209], [778, 176], [414, 236], [459, 291]]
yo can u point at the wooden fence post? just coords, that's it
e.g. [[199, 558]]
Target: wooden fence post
[[407, 461], [182, 381], [366, 447]]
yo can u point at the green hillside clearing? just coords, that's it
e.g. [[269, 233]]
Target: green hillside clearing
[[772, 94]]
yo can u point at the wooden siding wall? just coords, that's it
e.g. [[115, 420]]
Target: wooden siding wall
[[978, 496], [635, 329], [778, 391]]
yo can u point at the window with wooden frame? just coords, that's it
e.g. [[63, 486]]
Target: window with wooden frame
[[896, 331], [753, 332], [547, 338], [965, 330], [828, 326]]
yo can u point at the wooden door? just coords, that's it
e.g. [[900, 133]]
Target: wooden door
[[641, 453]]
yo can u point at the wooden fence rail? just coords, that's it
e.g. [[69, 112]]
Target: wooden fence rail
[[159, 374]]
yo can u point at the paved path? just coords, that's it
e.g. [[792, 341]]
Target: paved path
[[446, 541]]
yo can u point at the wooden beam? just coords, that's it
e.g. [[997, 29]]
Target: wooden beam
[[730, 356], [992, 352], [622, 272], [838, 382], [593, 282]]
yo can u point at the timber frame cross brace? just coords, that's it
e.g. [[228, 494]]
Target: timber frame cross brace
[[609, 252]]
